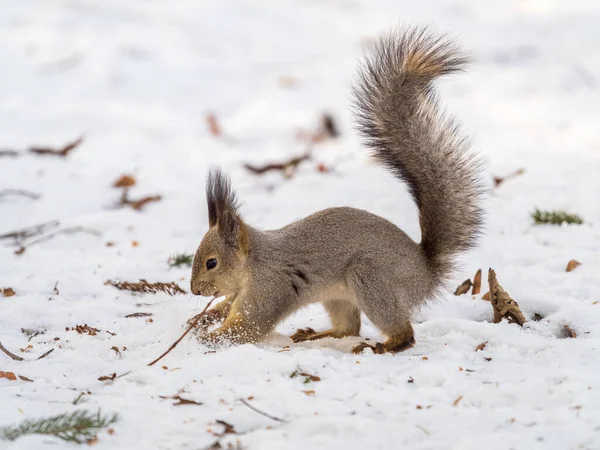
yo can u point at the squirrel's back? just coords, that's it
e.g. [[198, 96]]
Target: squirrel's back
[[399, 116]]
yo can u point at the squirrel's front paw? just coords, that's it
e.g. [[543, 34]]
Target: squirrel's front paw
[[203, 320]]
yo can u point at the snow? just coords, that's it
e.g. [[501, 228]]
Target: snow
[[137, 79]]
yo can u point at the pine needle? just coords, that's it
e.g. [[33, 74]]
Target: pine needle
[[78, 426], [555, 217], [181, 259]]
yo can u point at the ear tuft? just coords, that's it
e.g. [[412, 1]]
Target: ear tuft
[[222, 206]]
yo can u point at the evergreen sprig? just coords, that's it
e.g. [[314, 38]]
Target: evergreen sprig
[[78, 426], [181, 259], [555, 217]]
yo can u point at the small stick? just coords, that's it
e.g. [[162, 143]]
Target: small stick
[[21, 192], [262, 412], [24, 233], [9, 353], [46, 354], [77, 229], [193, 325]]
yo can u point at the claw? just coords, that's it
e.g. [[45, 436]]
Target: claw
[[378, 348]]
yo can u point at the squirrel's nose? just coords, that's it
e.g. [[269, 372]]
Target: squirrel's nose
[[195, 289]]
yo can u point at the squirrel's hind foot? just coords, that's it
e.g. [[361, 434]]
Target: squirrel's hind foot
[[390, 346]]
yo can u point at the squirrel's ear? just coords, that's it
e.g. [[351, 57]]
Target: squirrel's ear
[[223, 211]]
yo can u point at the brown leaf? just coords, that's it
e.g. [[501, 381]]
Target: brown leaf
[[309, 392], [145, 287], [138, 205], [309, 376], [286, 81], [568, 332], [463, 288], [504, 306], [486, 296], [8, 292], [84, 329], [24, 378], [180, 401], [213, 125], [116, 349], [63, 152], [477, 283], [227, 428], [499, 180], [572, 265], [287, 167], [8, 375], [457, 401], [108, 377], [124, 181], [321, 167], [92, 441], [481, 346]]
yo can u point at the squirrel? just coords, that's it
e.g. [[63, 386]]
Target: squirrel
[[347, 259]]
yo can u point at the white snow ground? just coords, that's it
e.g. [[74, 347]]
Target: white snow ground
[[138, 77]]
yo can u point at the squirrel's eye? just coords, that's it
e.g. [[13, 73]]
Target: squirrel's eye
[[211, 263]]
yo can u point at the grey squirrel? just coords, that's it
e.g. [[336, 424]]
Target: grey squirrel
[[347, 259]]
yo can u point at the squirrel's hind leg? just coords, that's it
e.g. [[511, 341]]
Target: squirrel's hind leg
[[345, 320], [380, 294]]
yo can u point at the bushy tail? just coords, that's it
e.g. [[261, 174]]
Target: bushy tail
[[399, 115]]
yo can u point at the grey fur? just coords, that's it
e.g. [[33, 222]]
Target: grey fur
[[348, 259]]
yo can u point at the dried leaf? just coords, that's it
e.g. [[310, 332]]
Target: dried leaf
[[457, 401], [84, 329], [477, 283], [572, 265], [568, 332], [503, 304], [486, 296], [24, 378], [8, 375], [287, 167], [213, 125], [8, 292], [309, 392], [499, 180], [124, 181], [180, 401], [227, 428], [463, 288], [108, 377], [481, 346], [63, 151]]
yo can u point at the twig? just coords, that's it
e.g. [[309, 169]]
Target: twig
[[63, 151], [70, 230], [46, 354], [262, 412], [11, 153], [21, 192], [9, 353], [138, 204], [287, 167], [27, 232], [192, 326]]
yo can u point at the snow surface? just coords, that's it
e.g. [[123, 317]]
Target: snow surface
[[138, 77]]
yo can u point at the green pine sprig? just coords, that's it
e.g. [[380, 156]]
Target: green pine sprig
[[555, 217], [78, 426], [181, 259]]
